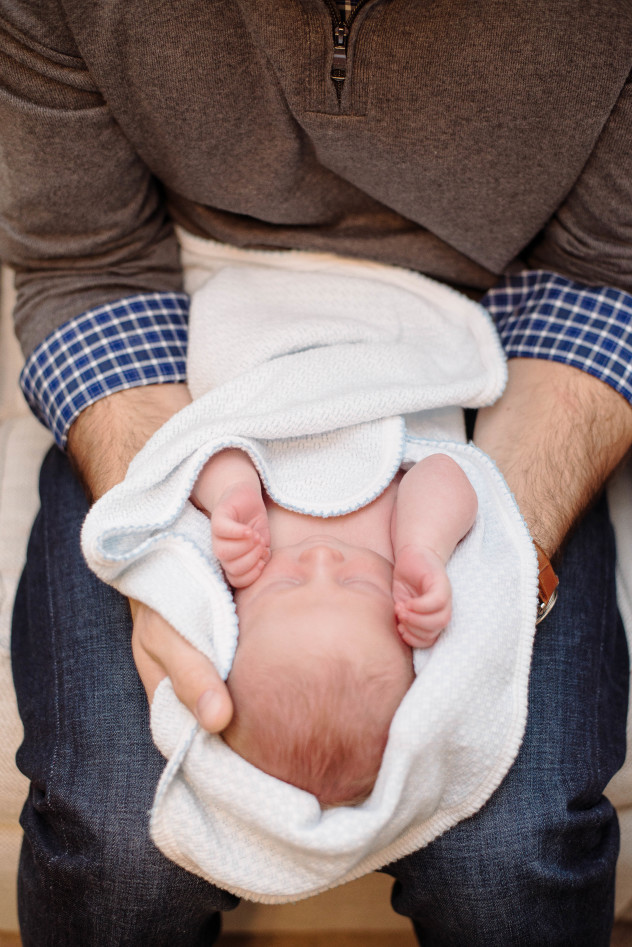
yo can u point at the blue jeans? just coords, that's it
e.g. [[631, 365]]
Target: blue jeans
[[534, 867]]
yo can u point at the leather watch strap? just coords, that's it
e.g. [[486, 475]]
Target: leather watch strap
[[547, 585]]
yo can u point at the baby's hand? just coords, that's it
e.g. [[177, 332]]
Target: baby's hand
[[422, 596], [241, 535]]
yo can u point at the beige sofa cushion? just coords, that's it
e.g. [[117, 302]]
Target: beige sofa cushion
[[11, 400], [23, 443]]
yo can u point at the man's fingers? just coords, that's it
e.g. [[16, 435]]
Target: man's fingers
[[200, 688], [159, 651], [150, 672]]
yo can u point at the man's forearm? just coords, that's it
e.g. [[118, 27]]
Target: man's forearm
[[102, 442], [556, 435], [108, 434]]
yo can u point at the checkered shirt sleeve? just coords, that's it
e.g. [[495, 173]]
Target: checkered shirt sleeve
[[142, 340], [542, 315], [139, 340]]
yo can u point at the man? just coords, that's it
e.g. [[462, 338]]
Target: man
[[482, 144]]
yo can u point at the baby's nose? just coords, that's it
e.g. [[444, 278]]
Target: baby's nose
[[321, 553]]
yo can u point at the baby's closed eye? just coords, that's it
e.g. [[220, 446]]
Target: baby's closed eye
[[363, 583]]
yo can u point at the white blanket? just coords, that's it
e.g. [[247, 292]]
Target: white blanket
[[330, 382]]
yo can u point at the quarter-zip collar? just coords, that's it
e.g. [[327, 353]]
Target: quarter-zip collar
[[341, 31]]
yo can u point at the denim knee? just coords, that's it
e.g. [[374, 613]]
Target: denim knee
[[85, 894], [527, 875], [89, 873]]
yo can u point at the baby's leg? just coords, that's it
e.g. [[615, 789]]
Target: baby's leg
[[241, 536], [228, 490], [436, 506], [422, 595]]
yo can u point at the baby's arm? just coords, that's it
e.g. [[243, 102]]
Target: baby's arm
[[436, 505], [228, 489]]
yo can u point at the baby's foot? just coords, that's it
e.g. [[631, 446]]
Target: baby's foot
[[422, 595], [241, 535]]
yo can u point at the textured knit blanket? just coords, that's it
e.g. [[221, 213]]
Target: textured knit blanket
[[331, 385]]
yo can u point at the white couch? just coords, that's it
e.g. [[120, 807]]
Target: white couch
[[363, 905]]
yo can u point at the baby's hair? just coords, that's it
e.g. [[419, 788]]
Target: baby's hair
[[322, 727]]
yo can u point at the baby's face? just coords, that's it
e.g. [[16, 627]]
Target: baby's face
[[324, 596]]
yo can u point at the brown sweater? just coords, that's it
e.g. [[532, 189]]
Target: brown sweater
[[469, 137]]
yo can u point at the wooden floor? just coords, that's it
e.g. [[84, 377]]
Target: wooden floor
[[622, 937], [323, 939]]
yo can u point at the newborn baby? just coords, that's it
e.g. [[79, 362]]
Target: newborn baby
[[329, 610]]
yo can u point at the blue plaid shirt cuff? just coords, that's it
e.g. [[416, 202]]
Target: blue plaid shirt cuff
[[140, 340], [543, 315]]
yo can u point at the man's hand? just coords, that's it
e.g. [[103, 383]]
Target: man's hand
[[109, 433], [556, 434], [101, 443], [159, 651]]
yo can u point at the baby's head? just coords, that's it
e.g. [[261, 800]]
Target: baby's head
[[320, 669]]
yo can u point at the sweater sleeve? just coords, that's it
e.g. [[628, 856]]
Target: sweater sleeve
[[589, 238], [573, 301], [82, 220]]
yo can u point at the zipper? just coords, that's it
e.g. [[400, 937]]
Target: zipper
[[339, 65], [341, 39]]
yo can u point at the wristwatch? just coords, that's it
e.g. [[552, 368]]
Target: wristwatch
[[547, 585]]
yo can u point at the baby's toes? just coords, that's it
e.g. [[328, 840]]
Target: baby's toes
[[239, 571], [243, 580], [402, 591], [232, 550], [415, 614], [417, 637]]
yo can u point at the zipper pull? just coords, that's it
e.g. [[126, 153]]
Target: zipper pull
[[339, 65]]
